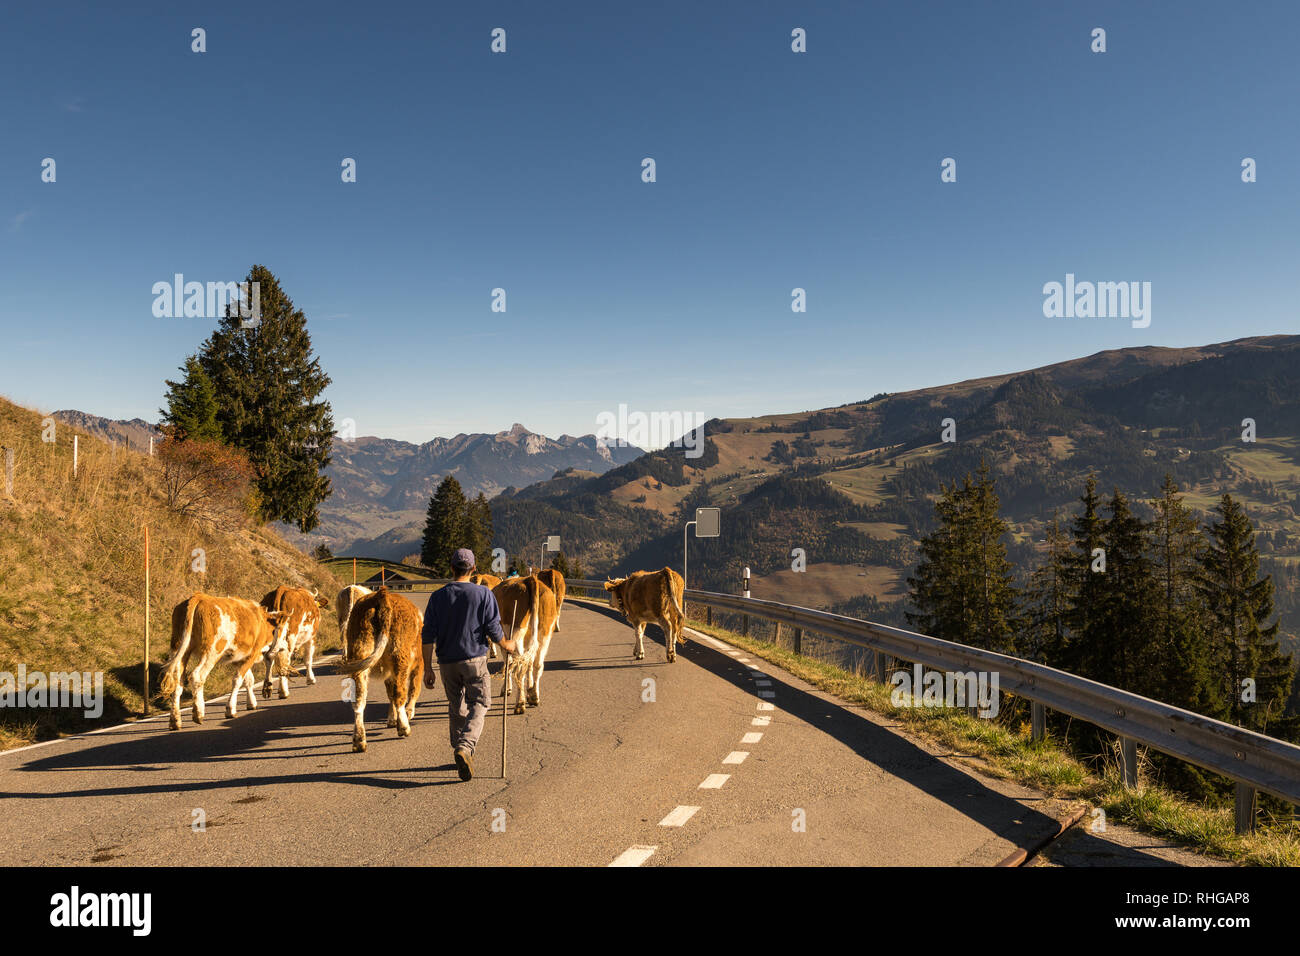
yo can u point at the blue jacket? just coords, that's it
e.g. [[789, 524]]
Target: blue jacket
[[459, 620]]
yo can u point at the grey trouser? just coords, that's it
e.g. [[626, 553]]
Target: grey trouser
[[469, 695]]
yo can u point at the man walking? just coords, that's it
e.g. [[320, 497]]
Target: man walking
[[458, 623]]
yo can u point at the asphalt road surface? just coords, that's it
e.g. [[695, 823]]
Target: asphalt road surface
[[716, 759]]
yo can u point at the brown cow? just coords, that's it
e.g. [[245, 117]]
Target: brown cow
[[650, 597], [344, 603], [384, 638], [528, 617], [488, 581], [554, 580], [204, 630], [297, 629]]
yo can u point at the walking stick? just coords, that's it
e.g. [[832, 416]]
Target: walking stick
[[505, 693]]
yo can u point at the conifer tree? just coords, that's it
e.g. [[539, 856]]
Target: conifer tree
[[1243, 643], [446, 527], [479, 522], [267, 385], [1121, 647], [192, 405], [1184, 653], [1086, 583], [963, 590], [1048, 600]]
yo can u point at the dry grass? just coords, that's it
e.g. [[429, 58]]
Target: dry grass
[[72, 570]]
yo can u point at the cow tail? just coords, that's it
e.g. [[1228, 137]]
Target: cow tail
[[180, 644], [676, 598], [385, 622]]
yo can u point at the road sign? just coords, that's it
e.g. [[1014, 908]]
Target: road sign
[[708, 522], [553, 542]]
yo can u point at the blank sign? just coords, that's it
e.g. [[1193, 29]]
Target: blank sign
[[553, 542], [708, 522]]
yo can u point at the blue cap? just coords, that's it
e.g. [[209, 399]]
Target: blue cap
[[463, 558]]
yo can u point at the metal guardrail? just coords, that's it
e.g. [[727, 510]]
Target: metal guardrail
[[1255, 761]]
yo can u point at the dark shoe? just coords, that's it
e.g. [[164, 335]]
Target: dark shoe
[[464, 764]]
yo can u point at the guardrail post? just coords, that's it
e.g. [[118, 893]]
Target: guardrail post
[[798, 640], [1245, 809], [1037, 721], [745, 628], [1128, 750], [708, 616], [879, 663], [776, 638]]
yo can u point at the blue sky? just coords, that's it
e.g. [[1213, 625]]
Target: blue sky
[[522, 171]]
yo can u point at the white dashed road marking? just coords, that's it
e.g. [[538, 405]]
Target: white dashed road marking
[[763, 706], [751, 738], [634, 856], [762, 683], [736, 756], [714, 781], [679, 817], [767, 693], [760, 721]]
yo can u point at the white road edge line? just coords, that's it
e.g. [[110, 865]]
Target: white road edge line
[[634, 856], [679, 817]]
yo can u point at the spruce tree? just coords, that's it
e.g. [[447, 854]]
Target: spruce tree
[[1122, 647], [1243, 643], [1048, 600], [963, 588], [1085, 582], [446, 527], [268, 384], [1184, 652], [192, 405], [479, 530]]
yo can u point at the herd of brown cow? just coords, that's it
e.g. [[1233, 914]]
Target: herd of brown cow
[[381, 637]]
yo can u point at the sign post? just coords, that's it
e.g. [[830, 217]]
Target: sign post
[[145, 667], [552, 543], [708, 524]]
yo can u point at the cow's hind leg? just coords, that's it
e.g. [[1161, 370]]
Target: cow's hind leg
[[362, 681], [539, 665], [196, 692], [400, 688], [390, 685], [175, 722], [670, 638], [413, 694], [638, 650], [310, 652]]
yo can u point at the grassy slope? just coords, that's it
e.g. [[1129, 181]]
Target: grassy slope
[[72, 571]]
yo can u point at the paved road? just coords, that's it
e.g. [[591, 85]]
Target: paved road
[[595, 773]]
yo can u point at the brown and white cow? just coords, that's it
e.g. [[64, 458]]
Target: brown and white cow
[[383, 638], [650, 597], [343, 605], [488, 581], [204, 630], [297, 628], [554, 580], [527, 609]]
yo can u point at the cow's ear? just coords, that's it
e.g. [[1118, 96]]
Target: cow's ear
[[323, 602]]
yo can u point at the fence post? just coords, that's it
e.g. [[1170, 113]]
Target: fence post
[[1037, 721], [145, 666], [798, 640], [1129, 761], [1245, 809], [9, 472]]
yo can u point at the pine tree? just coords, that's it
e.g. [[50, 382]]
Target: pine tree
[[1048, 601], [479, 524], [1122, 647], [192, 405], [267, 385], [1085, 583], [446, 527], [963, 588], [1243, 645], [1184, 653]]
